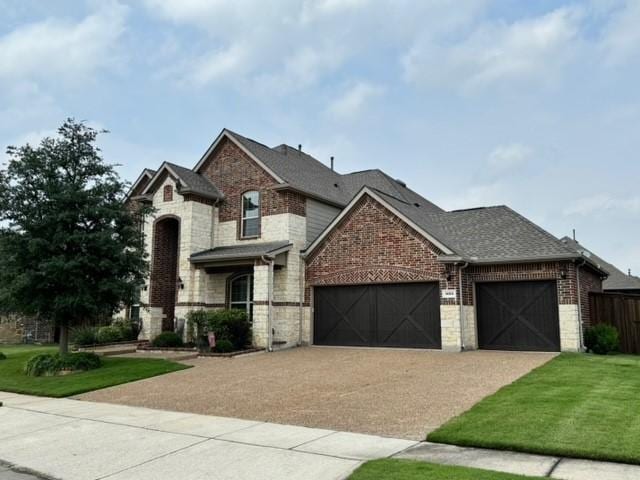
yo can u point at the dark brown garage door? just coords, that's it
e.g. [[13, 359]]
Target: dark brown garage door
[[389, 315], [518, 316]]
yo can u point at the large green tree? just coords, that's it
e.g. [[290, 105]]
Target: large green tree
[[70, 249]]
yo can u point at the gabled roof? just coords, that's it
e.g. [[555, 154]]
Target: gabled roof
[[240, 252], [617, 280], [147, 174], [297, 170], [189, 182], [382, 198], [481, 235]]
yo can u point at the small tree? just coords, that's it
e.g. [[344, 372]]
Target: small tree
[[70, 250]]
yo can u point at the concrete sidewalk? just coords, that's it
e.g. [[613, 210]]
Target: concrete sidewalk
[[73, 439], [520, 463]]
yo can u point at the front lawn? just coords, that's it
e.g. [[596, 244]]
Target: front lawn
[[414, 470], [114, 371], [577, 405]]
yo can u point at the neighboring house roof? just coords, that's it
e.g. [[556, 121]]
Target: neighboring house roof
[[480, 235], [189, 182], [617, 280], [239, 252]]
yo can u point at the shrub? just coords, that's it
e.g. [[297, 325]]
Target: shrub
[[196, 324], [167, 339], [43, 364], [80, 361], [53, 363], [2, 356], [224, 346], [128, 330], [231, 325], [602, 339], [109, 334], [83, 336]]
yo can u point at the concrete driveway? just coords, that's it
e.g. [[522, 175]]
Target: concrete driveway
[[395, 393]]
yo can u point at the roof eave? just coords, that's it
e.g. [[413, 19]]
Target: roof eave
[[271, 254], [190, 191], [536, 259], [306, 193]]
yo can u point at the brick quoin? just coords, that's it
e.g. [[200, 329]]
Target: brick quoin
[[164, 268], [234, 173]]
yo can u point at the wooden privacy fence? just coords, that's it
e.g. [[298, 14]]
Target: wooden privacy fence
[[623, 312]]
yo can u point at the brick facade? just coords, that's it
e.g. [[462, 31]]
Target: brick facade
[[589, 282], [164, 267], [372, 245], [234, 173], [562, 272]]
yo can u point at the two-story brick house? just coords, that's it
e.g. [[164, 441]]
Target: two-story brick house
[[318, 257]]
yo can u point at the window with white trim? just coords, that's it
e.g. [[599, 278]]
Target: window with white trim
[[241, 294], [250, 214]]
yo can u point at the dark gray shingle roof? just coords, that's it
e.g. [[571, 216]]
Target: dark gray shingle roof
[[192, 182], [617, 280], [236, 252], [487, 234], [304, 172]]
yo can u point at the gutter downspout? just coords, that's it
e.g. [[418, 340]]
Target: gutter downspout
[[461, 301], [270, 262], [580, 326], [301, 306]]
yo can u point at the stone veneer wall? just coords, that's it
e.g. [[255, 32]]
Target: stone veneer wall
[[286, 288], [196, 234]]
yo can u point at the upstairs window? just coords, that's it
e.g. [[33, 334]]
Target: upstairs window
[[168, 193], [250, 214]]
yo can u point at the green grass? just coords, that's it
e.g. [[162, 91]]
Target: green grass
[[113, 372], [413, 470], [577, 405]]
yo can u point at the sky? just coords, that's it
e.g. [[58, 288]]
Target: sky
[[532, 104]]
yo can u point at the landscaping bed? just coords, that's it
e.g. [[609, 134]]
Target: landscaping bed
[[113, 371], [390, 469], [577, 405]]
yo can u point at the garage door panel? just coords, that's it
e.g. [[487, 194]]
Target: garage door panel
[[346, 312], [386, 315], [518, 315], [408, 316]]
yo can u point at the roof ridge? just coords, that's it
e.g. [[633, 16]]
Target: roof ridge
[[387, 195]]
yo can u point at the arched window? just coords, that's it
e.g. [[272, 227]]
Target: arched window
[[241, 294], [251, 214]]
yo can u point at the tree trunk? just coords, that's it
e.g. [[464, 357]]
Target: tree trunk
[[64, 338]]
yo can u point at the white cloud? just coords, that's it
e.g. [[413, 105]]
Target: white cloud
[[218, 64], [354, 100], [280, 47], [532, 49], [621, 36], [56, 48], [603, 203], [507, 157]]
